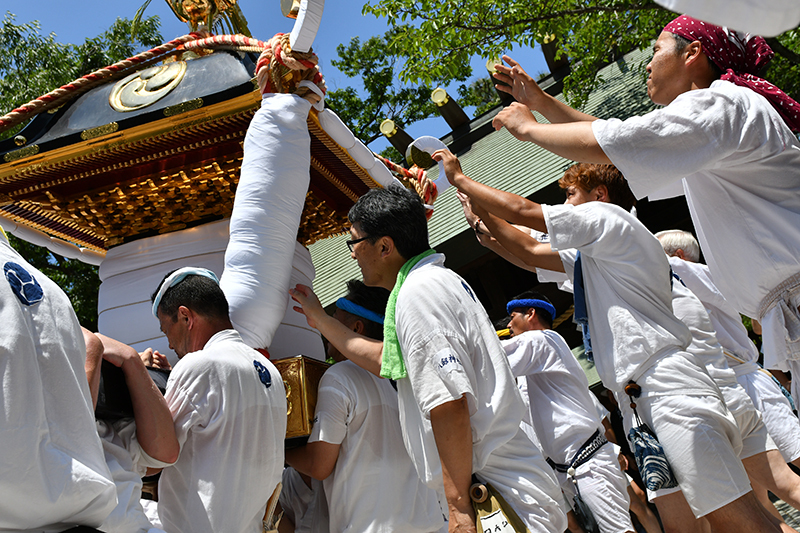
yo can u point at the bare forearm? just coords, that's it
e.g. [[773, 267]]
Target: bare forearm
[[557, 112], [361, 350], [573, 140], [155, 429], [453, 435], [508, 206], [92, 365], [526, 249]]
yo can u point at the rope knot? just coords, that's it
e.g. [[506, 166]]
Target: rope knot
[[280, 69]]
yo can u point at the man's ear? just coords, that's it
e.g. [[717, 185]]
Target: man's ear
[[692, 52], [386, 246], [679, 253], [358, 327], [601, 193], [186, 314]]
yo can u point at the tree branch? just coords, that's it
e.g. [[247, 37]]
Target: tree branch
[[778, 48]]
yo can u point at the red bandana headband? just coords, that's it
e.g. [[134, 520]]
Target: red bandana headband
[[740, 56]]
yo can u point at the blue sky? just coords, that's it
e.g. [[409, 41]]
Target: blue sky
[[342, 20]]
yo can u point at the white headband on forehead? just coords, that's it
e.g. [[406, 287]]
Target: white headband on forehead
[[178, 276]]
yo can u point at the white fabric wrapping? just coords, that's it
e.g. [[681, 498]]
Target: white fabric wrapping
[[337, 129], [266, 214], [307, 24], [132, 272], [762, 17]]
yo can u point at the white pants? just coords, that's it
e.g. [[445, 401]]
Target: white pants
[[604, 488]]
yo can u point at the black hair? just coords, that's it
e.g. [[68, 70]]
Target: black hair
[[541, 313], [198, 293], [371, 298], [393, 212], [680, 45]]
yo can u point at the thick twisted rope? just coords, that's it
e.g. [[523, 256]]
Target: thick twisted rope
[[81, 85], [279, 69], [415, 177]]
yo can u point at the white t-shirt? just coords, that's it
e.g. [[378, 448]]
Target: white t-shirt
[[562, 410], [627, 286], [727, 323], [123, 456], [451, 349], [53, 472], [739, 161], [231, 429], [704, 346], [374, 486]]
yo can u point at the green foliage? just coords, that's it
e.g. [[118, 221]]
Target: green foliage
[[375, 63], [31, 65], [480, 93], [438, 37]]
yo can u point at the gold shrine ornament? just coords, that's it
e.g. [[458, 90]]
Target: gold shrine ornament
[[146, 87]]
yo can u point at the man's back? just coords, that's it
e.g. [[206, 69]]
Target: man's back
[[53, 469], [374, 486], [231, 426]]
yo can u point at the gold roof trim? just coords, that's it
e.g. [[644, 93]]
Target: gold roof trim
[[315, 127], [144, 134]]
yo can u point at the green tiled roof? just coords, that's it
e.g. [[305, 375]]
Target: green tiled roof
[[498, 160]]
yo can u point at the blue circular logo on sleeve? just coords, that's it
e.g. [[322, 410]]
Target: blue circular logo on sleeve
[[23, 284]]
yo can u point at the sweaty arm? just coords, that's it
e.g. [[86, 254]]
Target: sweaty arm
[[155, 429], [94, 359], [453, 435], [363, 351]]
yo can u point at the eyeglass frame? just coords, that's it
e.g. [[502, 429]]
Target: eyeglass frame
[[353, 242]]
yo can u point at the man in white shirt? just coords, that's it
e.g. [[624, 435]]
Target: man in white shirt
[[356, 445], [764, 391], [634, 334], [54, 476], [460, 409], [720, 127], [564, 415], [229, 407]]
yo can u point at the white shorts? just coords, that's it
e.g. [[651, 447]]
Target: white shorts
[[755, 438], [604, 489], [776, 412], [700, 438]]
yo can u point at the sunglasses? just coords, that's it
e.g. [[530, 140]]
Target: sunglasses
[[353, 242]]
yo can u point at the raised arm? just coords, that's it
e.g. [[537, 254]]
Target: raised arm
[[363, 351], [571, 140], [94, 359], [485, 237], [521, 245], [155, 429], [516, 82], [511, 207]]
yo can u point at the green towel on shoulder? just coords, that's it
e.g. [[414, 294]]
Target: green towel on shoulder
[[392, 365]]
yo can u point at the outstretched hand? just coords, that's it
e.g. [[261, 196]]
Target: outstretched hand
[[516, 82], [310, 305], [517, 119], [452, 166], [466, 205]]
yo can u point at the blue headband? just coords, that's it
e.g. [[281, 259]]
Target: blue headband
[[536, 304], [178, 276], [354, 309]]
